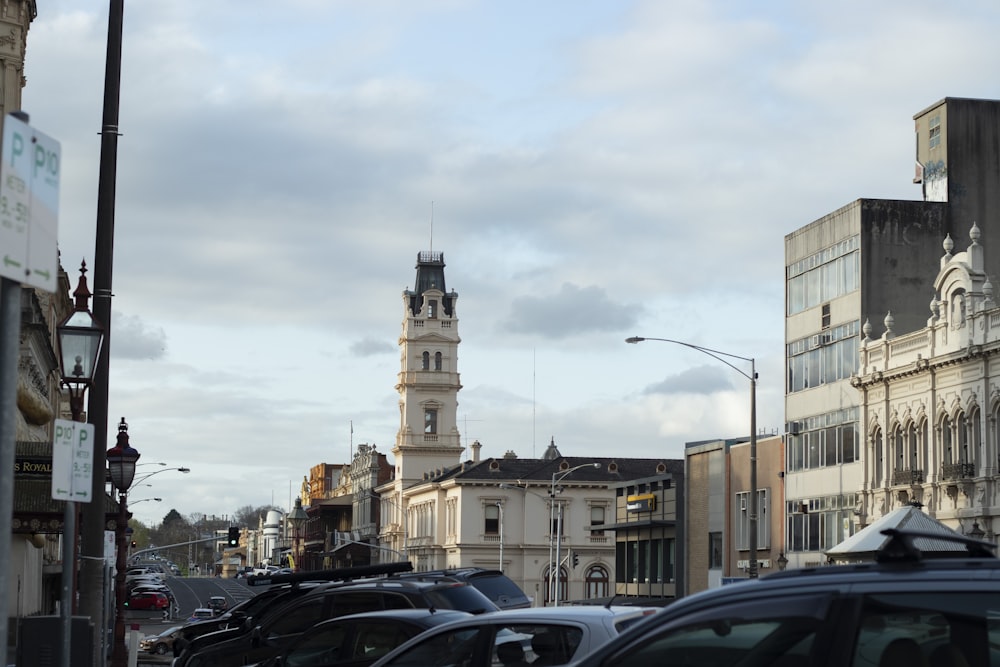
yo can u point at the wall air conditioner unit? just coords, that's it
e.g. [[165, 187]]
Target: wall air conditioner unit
[[819, 340], [792, 428]]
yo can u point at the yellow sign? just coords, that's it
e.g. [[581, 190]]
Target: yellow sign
[[644, 502]]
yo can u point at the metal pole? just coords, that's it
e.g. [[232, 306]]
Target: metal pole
[[119, 657], [500, 508], [92, 530], [10, 337], [552, 519], [66, 596], [753, 471], [558, 552]]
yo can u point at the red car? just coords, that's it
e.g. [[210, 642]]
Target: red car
[[148, 600]]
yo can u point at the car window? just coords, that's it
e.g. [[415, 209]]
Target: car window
[[298, 619], [452, 648], [771, 632], [948, 629], [376, 638], [498, 587], [319, 648], [461, 597], [356, 602], [538, 644]]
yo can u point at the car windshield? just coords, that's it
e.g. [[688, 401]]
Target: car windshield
[[497, 587], [461, 597]]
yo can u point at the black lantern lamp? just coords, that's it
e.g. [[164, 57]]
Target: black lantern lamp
[[976, 532], [80, 339], [121, 460]]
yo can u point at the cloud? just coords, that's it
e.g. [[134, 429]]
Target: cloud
[[571, 312], [697, 380], [369, 347], [134, 339]]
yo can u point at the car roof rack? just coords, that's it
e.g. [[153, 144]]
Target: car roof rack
[[339, 574], [900, 547]]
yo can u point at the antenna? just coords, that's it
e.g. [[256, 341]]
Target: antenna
[[352, 442], [532, 402], [432, 226]]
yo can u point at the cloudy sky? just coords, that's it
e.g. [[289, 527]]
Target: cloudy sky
[[591, 170]]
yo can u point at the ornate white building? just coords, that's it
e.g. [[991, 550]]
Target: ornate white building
[[930, 402]]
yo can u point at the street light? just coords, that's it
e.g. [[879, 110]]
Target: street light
[[752, 376], [80, 338], [146, 476], [133, 503], [557, 477], [121, 464], [297, 517]]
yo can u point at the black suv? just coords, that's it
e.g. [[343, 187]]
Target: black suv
[[494, 584], [281, 622], [907, 609]]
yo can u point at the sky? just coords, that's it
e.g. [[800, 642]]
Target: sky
[[591, 170]]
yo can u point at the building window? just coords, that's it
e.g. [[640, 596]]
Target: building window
[[437, 361], [432, 309], [824, 276], [430, 421], [934, 135], [597, 582], [425, 363], [492, 524], [818, 524], [824, 440], [558, 525], [825, 317], [597, 513], [715, 551], [743, 520], [823, 358]]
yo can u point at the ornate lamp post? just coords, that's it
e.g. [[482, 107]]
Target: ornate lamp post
[[80, 338], [121, 464], [752, 376], [297, 518]]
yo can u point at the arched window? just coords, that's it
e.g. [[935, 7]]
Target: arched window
[[877, 461], [899, 450], [597, 582], [946, 445], [437, 361], [912, 447], [962, 424], [975, 439], [561, 583], [425, 361]]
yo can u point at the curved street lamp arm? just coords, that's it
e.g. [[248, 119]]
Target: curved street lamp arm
[[709, 351]]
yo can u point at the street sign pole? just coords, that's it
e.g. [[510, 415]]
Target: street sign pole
[[28, 255]]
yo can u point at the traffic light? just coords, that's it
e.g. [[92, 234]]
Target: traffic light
[[133, 544], [576, 559], [234, 536]]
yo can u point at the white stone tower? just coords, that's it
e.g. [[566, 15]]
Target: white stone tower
[[428, 382]]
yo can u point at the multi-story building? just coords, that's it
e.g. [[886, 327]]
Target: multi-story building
[[717, 509], [852, 266], [930, 400]]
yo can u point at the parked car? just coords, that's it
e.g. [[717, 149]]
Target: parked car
[[282, 624], [218, 604], [515, 637], [911, 607], [152, 600], [359, 639], [494, 584], [160, 643], [201, 613]]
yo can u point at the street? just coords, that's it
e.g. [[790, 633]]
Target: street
[[190, 593]]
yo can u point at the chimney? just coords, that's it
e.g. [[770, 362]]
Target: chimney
[[475, 451]]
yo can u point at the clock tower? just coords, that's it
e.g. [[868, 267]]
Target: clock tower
[[428, 381]]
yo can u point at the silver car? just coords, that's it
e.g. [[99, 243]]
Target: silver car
[[514, 638]]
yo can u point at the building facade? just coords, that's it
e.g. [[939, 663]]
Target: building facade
[[717, 509], [930, 400], [854, 265]]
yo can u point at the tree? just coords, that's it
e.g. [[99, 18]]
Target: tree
[[249, 516]]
